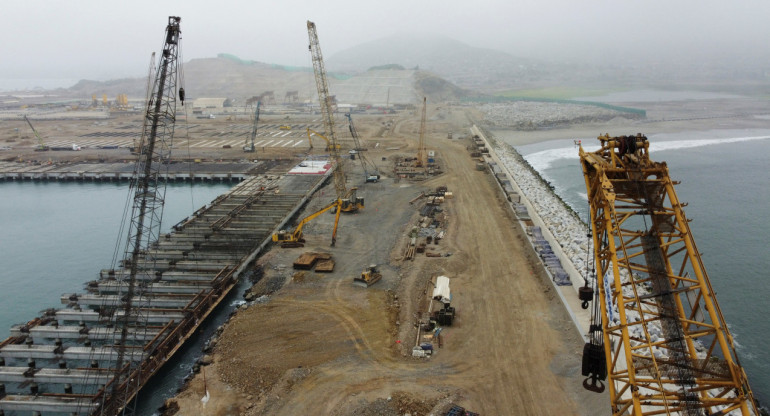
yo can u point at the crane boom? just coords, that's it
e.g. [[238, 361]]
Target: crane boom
[[325, 101], [667, 348], [40, 145], [250, 147]]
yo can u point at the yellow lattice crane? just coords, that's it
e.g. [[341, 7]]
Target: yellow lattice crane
[[658, 335], [347, 199]]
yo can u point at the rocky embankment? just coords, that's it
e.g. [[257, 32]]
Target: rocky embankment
[[533, 115], [563, 223]]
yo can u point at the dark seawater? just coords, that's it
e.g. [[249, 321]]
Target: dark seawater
[[57, 236], [725, 179]]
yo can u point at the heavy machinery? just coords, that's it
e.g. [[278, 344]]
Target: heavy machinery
[[347, 199], [41, 147], [657, 335], [249, 147], [369, 276], [294, 238], [311, 132], [371, 173]]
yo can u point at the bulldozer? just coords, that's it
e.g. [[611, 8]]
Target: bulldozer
[[369, 276]]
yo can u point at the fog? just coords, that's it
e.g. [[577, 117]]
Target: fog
[[104, 40]]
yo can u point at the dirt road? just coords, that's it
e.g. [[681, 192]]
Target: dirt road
[[321, 346]]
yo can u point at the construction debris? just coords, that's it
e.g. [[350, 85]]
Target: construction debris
[[431, 224], [325, 266], [307, 260]]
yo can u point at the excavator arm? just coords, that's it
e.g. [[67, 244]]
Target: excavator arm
[[297, 234], [311, 132], [295, 237]]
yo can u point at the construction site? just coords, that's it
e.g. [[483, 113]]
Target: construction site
[[395, 264]]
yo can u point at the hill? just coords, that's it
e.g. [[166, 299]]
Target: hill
[[459, 63], [238, 79]]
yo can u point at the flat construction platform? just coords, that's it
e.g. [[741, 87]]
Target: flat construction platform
[[322, 345]]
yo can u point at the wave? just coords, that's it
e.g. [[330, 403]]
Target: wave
[[545, 159]]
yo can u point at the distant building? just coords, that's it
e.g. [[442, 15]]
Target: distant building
[[213, 103]]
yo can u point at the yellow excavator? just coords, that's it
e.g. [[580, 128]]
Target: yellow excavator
[[294, 238], [311, 132]]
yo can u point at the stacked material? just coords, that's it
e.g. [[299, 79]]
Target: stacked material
[[552, 263], [566, 227]]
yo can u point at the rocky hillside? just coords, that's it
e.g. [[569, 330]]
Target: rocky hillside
[[230, 77]]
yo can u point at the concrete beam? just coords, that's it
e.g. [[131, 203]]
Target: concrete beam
[[88, 299], [157, 287], [63, 315], [76, 332], [55, 375], [50, 352], [47, 404]]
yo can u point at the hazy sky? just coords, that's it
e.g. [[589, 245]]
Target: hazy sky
[[102, 39]]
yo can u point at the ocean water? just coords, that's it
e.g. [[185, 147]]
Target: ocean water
[[58, 236], [726, 181]]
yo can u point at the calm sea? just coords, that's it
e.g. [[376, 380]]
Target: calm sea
[[57, 236], [726, 181]]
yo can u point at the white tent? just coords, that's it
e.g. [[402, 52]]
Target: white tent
[[441, 292]]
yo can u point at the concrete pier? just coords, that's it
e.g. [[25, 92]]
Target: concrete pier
[[117, 172], [181, 278]]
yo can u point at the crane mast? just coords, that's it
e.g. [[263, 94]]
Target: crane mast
[[421, 152], [666, 346], [147, 210], [250, 147]]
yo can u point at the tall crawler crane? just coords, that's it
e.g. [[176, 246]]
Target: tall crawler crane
[[371, 173], [658, 333], [249, 148], [347, 199], [144, 228], [41, 146]]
